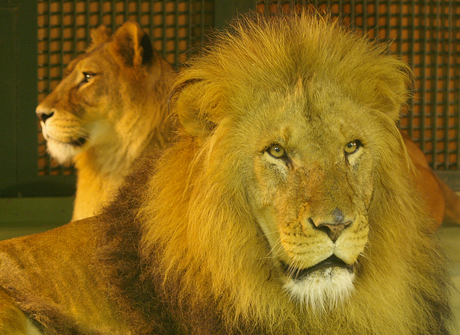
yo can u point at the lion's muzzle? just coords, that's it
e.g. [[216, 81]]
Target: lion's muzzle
[[332, 225], [43, 115]]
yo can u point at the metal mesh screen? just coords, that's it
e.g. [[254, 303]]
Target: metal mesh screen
[[64, 31], [427, 35]]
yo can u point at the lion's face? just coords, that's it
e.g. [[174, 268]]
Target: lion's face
[[297, 133], [313, 165], [78, 110]]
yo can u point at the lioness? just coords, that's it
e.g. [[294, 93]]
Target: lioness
[[108, 108], [442, 202], [283, 207]]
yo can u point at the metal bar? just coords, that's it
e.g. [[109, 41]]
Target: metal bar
[[353, 13], [151, 20], [388, 21], [412, 62], [458, 129], [113, 16], [202, 21], [101, 13], [74, 26], [48, 79], [365, 15], [87, 24], [59, 168], [400, 24], [423, 89], [176, 33], [434, 115], [48, 46], [190, 21], [447, 85], [163, 41], [377, 18]]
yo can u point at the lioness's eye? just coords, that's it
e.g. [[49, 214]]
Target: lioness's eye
[[277, 151], [352, 147], [87, 76]]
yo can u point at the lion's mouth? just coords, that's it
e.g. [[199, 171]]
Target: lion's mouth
[[78, 142], [300, 274], [75, 143]]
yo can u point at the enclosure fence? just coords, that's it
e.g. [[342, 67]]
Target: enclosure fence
[[426, 34]]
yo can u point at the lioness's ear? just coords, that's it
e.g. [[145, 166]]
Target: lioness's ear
[[100, 35], [196, 107], [131, 45]]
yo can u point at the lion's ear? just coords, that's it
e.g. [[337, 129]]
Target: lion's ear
[[131, 45], [100, 35], [392, 88], [195, 106]]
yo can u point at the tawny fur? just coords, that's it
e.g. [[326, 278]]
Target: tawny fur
[[194, 241], [442, 202], [118, 112], [426, 182]]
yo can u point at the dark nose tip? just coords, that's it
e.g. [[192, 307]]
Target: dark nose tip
[[43, 116], [333, 225]]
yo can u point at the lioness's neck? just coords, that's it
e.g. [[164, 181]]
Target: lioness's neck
[[105, 163]]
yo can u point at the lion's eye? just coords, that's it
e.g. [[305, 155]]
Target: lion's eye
[[277, 151], [352, 147]]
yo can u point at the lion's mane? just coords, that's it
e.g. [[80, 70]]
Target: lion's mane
[[211, 263]]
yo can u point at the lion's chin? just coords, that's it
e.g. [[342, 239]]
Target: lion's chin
[[323, 286], [64, 152]]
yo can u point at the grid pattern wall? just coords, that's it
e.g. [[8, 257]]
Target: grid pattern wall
[[426, 34], [64, 31]]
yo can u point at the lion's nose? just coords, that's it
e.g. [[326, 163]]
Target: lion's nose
[[332, 225], [43, 114]]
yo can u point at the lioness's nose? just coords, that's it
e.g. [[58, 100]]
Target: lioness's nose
[[43, 114], [332, 225]]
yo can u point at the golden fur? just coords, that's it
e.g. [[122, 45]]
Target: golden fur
[[288, 154], [109, 107]]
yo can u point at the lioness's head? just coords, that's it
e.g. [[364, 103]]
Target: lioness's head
[[297, 118], [102, 92]]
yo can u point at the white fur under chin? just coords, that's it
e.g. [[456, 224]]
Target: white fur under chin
[[62, 152], [322, 290], [31, 329]]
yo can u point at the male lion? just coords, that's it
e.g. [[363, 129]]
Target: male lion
[[109, 107], [284, 207]]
